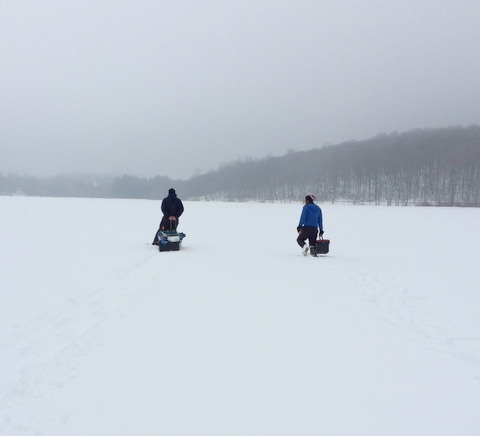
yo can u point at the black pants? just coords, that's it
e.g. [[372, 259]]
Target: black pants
[[310, 233], [165, 224]]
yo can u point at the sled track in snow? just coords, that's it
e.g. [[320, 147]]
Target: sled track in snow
[[28, 350]]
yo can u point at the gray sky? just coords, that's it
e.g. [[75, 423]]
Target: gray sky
[[171, 87]]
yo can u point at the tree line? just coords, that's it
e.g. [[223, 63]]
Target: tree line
[[439, 167]]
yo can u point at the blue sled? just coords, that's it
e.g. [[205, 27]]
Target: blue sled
[[169, 240]]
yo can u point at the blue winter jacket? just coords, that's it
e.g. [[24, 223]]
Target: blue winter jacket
[[311, 216]]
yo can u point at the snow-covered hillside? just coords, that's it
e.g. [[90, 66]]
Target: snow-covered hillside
[[237, 333]]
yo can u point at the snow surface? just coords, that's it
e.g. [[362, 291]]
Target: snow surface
[[237, 333]]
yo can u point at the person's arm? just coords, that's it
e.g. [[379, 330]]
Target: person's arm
[[180, 208]]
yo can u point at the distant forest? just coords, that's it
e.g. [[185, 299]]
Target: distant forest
[[430, 167]]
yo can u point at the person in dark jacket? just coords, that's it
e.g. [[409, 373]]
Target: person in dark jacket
[[310, 220], [172, 208]]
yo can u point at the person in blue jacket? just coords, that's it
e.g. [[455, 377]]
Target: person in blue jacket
[[310, 221]]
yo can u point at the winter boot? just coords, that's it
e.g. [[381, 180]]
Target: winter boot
[[313, 251], [305, 249]]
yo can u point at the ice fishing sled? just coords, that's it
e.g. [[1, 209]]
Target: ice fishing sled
[[322, 246], [169, 240]]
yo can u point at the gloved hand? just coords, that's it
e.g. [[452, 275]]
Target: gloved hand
[[299, 229], [320, 232]]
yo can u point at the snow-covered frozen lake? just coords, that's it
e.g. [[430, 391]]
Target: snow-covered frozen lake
[[237, 333]]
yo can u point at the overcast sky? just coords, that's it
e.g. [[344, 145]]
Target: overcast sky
[[174, 87]]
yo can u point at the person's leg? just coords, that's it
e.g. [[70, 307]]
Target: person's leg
[[160, 227], [165, 224], [312, 241], [312, 238], [309, 233], [301, 238]]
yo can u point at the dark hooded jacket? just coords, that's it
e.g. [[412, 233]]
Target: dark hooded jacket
[[172, 205]]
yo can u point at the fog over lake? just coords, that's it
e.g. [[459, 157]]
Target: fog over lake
[[179, 87]]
